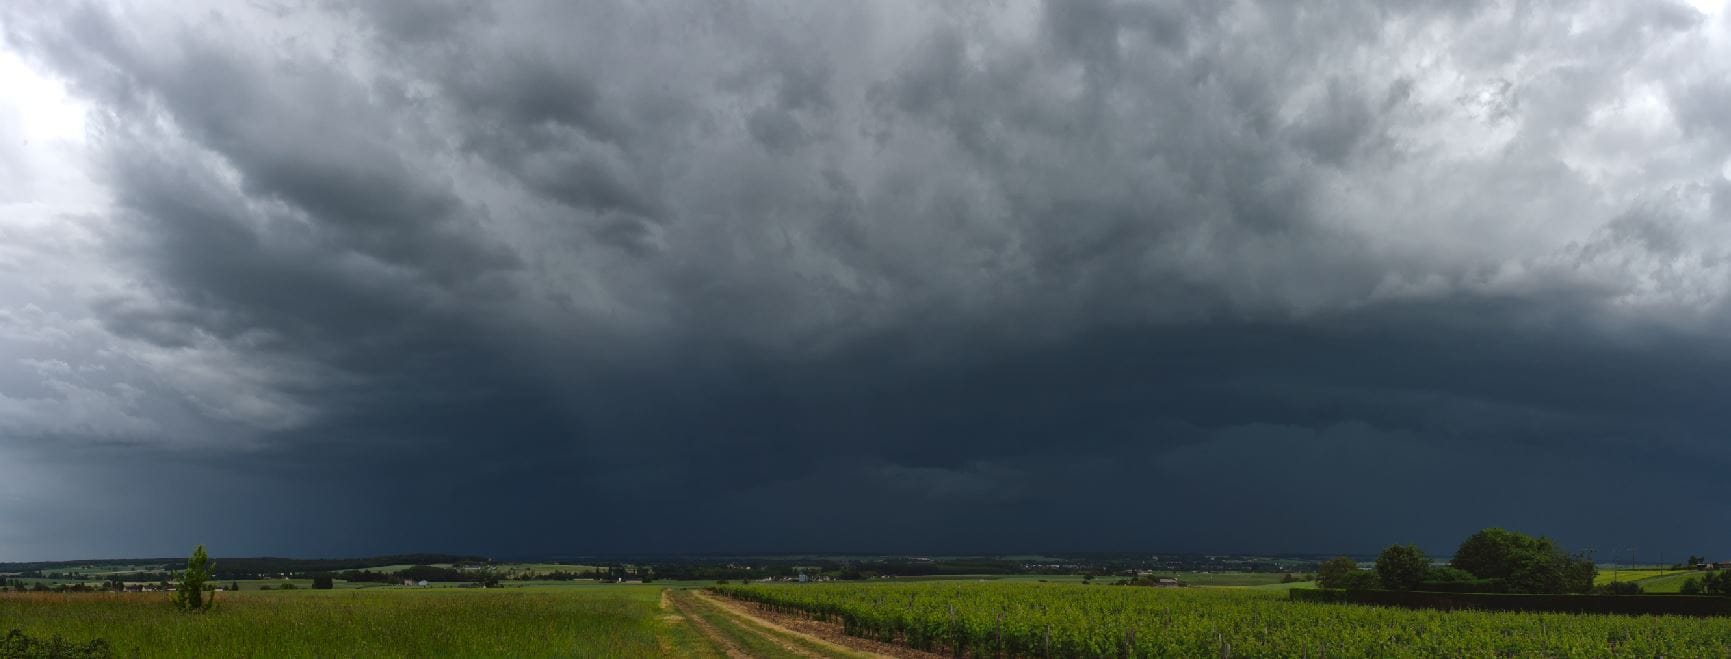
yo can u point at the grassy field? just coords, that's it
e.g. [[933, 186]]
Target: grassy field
[[1227, 578], [578, 621], [1670, 582], [1607, 575]]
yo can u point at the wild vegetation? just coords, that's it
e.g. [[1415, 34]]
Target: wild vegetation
[[592, 621], [1035, 619], [1490, 561], [545, 610]]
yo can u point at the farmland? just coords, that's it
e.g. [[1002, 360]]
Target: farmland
[[1640, 575], [1018, 616], [593, 621], [1103, 605], [1072, 620]]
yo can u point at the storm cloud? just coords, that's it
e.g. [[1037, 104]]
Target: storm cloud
[[515, 278]]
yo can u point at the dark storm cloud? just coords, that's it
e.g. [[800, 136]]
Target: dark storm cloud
[[747, 276]]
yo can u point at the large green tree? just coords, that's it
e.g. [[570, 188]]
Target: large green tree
[[1336, 572], [1490, 553], [1525, 564], [189, 593], [1400, 567]]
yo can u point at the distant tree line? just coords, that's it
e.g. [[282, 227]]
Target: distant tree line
[[240, 568], [429, 573], [248, 568], [1492, 560]]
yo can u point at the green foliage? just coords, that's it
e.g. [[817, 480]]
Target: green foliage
[[1448, 575], [1691, 586], [1336, 572], [17, 645], [1362, 580], [1525, 564], [1618, 588], [1533, 572], [1064, 620], [189, 593], [1489, 554], [1717, 582], [323, 582], [1578, 572], [490, 579], [1400, 567], [1673, 605]]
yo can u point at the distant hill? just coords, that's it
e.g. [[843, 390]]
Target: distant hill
[[257, 564]]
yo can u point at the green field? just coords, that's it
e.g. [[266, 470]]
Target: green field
[[1204, 579], [1068, 620], [1226, 578], [576, 621], [1019, 616], [1637, 574], [1670, 582]]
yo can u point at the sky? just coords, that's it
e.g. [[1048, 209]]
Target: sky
[[335, 278]]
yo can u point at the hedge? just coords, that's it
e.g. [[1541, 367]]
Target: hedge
[[1681, 605], [1472, 586]]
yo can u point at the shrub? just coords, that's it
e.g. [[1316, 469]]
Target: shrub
[[1449, 575], [1691, 586], [1400, 567], [1335, 572], [1468, 586], [1717, 583], [1362, 580], [1618, 588], [322, 582], [17, 644]]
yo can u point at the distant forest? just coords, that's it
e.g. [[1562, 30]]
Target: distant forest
[[258, 565]]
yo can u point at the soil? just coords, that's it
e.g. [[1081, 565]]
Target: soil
[[825, 633]]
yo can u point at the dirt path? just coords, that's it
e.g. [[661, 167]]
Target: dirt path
[[827, 635], [687, 610]]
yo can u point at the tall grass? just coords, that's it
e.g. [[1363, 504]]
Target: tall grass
[[619, 621]]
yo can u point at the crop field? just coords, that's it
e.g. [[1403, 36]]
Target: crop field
[[594, 621], [1670, 582], [1034, 619], [1203, 579], [1638, 575], [1226, 578]]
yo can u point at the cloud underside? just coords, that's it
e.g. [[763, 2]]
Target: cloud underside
[[968, 277]]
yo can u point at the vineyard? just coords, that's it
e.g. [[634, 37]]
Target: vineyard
[[1035, 619]]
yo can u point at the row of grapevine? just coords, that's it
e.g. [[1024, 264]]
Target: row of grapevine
[[1067, 620]]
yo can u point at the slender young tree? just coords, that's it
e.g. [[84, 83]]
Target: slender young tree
[[189, 594]]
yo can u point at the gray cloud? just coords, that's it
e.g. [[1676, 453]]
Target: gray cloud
[[957, 273]]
